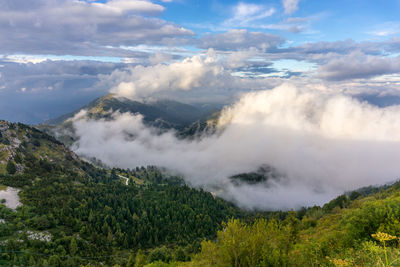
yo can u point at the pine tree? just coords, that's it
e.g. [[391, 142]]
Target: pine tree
[[73, 247], [11, 169]]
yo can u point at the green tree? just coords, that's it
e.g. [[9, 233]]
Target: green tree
[[73, 247], [131, 261], [140, 259], [11, 169], [160, 254], [54, 261]]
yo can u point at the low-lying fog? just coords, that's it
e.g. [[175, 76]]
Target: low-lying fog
[[321, 143]]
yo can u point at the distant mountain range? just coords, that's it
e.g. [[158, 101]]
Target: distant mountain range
[[186, 119], [161, 113]]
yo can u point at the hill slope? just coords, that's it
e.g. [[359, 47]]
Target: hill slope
[[348, 231], [73, 213]]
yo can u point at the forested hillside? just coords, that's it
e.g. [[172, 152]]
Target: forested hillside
[[73, 213], [353, 230]]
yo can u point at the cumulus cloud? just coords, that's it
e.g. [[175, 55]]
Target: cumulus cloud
[[290, 6], [206, 75], [321, 144], [358, 65], [190, 73], [89, 27]]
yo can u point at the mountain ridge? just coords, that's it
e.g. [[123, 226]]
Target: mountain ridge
[[173, 114], [187, 120]]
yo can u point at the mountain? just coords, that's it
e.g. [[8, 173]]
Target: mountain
[[161, 113], [164, 114], [20, 144], [71, 213]]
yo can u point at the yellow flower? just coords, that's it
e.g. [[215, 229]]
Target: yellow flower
[[340, 262], [382, 237]]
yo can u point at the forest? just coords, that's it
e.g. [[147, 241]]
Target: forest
[[74, 213]]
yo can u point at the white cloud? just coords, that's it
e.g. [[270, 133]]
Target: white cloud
[[207, 77], [239, 39], [25, 59], [290, 6], [190, 73], [386, 29], [159, 58], [294, 25], [358, 65], [144, 7], [90, 27], [244, 14], [320, 143]]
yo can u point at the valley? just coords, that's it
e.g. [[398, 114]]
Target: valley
[[71, 213], [188, 133]]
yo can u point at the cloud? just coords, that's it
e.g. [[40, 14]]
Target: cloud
[[321, 144], [190, 73], [159, 57], [135, 6], [51, 88], [386, 29], [290, 6], [293, 25], [239, 39], [205, 78], [91, 28], [358, 65], [244, 14], [228, 73]]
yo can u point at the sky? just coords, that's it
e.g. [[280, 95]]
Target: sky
[[312, 88], [57, 55]]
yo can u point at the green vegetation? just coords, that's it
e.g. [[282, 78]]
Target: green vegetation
[[76, 214], [10, 167], [345, 232]]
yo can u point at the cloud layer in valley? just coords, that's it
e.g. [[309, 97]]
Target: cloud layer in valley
[[321, 143]]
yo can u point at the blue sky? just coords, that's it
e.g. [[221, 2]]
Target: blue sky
[[205, 51]]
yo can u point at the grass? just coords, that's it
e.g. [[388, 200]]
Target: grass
[[137, 180]]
